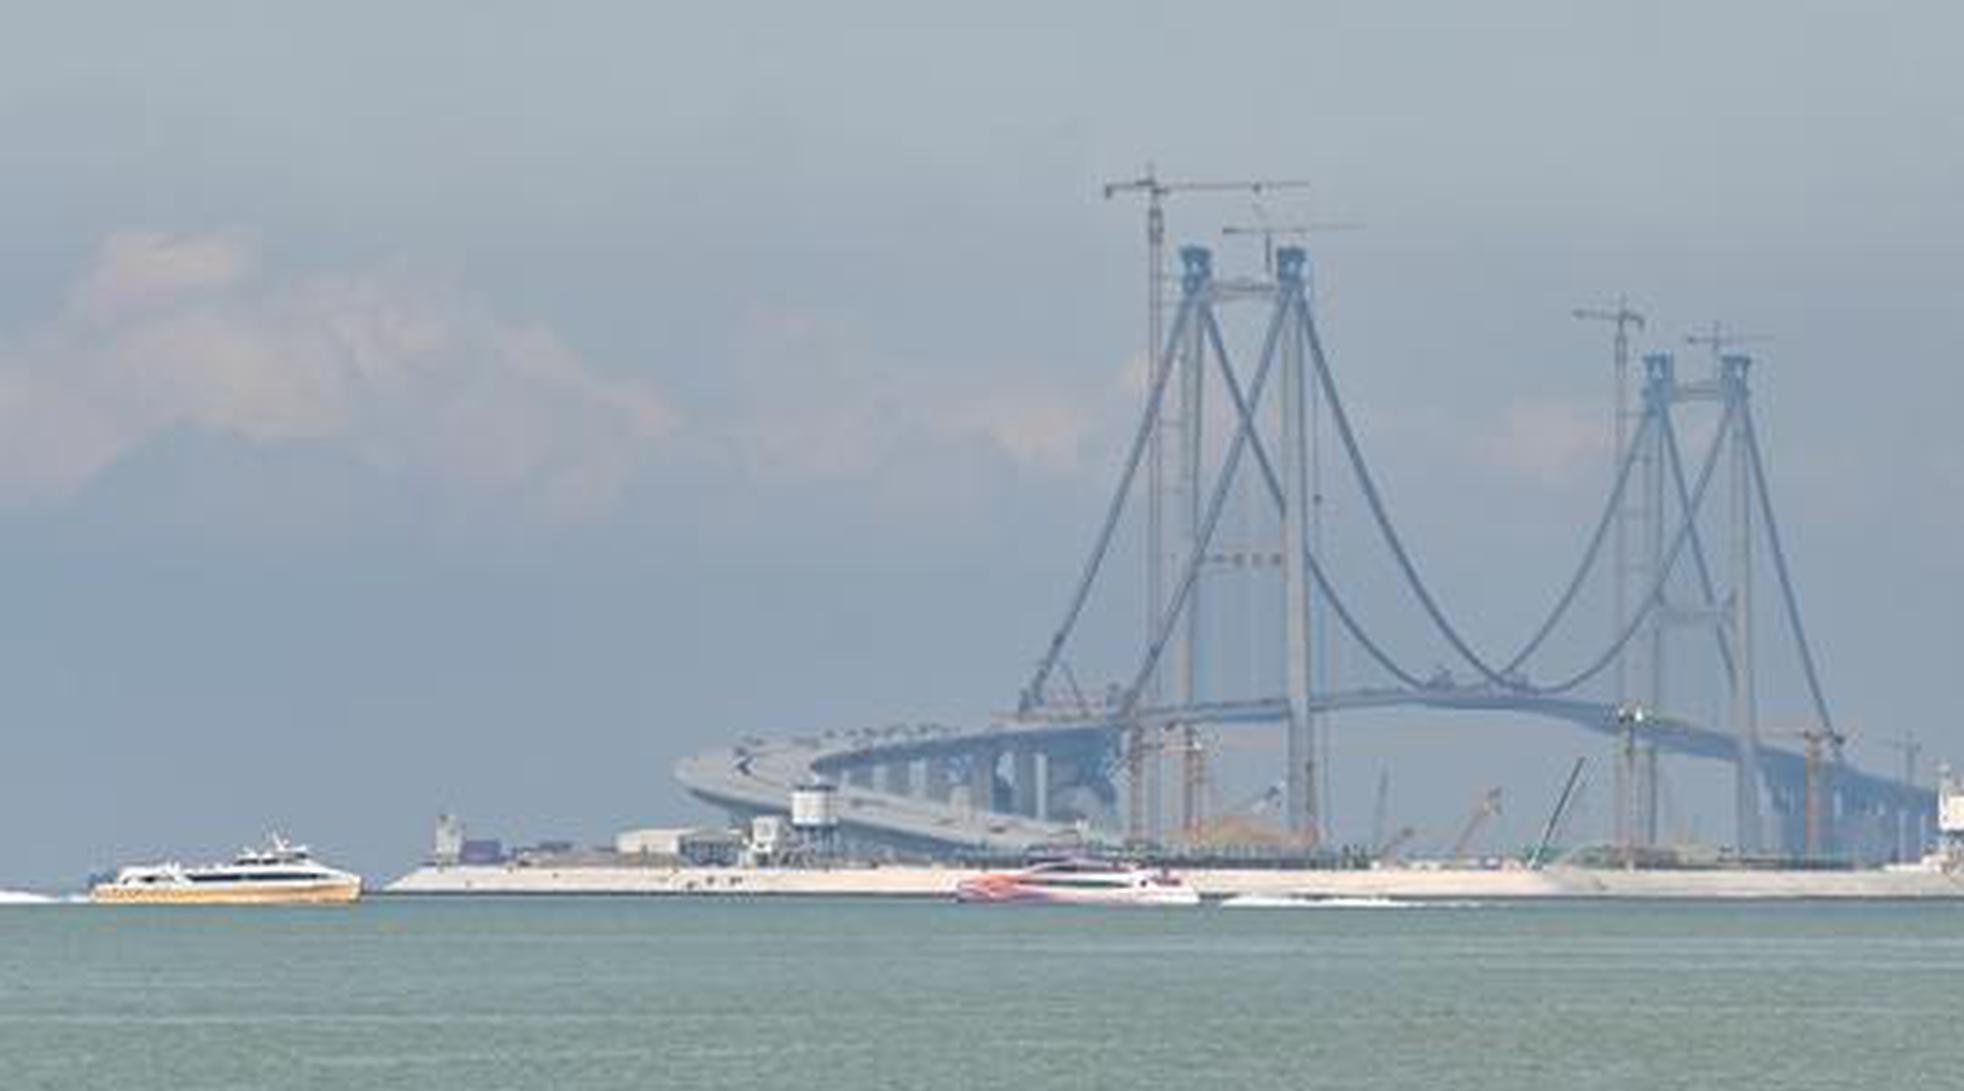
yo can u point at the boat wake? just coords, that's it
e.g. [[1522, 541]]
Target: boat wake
[[1294, 901], [22, 897]]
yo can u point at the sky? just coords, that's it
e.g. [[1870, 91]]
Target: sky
[[468, 407]]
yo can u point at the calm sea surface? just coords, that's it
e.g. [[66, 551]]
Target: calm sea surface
[[576, 994]]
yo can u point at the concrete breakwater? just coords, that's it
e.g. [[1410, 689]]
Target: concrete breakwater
[[1416, 883]]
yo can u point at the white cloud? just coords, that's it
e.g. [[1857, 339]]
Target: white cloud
[[412, 377], [1039, 431], [813, 400], [138, 268], [427, 384], [1555, 442]]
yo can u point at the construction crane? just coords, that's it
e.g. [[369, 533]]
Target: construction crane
[[1487, 807], [1718, 339], [1562, 803], [1625, 319], [1156, 190], [1269, 232]]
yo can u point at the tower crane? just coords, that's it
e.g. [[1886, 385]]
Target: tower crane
[[1625, 319], [1718, 338], [1270, 232], [1156, 190]]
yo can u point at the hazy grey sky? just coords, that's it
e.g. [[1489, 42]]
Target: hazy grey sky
[[464, 406]]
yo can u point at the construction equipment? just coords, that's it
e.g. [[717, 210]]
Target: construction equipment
[[1388, 851], [1487, 807], [1268, 233], [1718, 338], [1562, 802], [1197, 780], [1636, 783], [1625, 319]]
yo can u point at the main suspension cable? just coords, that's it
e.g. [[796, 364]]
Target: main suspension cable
[[1033, 693], [1590, 554], [1272, 480], [1655, 595], [1383, 518], [1786, 580]]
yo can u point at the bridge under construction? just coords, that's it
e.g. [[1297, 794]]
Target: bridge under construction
[[1685, 553]]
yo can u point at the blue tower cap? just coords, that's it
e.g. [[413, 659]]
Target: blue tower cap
[[1289, 263], [1199, 262]]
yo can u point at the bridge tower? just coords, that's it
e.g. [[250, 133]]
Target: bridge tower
[[1300, 742], [1739, 616], [1642, 674]]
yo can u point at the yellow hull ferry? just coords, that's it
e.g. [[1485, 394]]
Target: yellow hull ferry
[[279, 874]]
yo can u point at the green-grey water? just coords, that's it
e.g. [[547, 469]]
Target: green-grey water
[[575, 994]]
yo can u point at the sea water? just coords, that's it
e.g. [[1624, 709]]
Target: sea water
[[575, 994]]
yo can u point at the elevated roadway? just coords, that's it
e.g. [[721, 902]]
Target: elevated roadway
[[1036, 779]]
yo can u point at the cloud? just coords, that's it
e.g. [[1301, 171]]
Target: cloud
[[1039, 431], [412, 376], [815, 398], [430, 387], [1554, 442], [136, 268]]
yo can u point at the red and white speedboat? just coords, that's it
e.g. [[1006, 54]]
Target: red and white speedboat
[[1080, 882]]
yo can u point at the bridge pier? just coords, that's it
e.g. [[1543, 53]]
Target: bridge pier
[[982, 777], [1073, 786], [1788, 820], [938, 778], [1023, 781], [1648, 825]]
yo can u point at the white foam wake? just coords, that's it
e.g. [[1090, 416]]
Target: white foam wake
[[1298, 901], [22, 897]]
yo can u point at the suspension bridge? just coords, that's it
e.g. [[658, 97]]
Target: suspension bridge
[[1231, 527]]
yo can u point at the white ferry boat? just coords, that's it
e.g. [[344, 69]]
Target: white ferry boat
[[282, 873], [1080, 882]]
